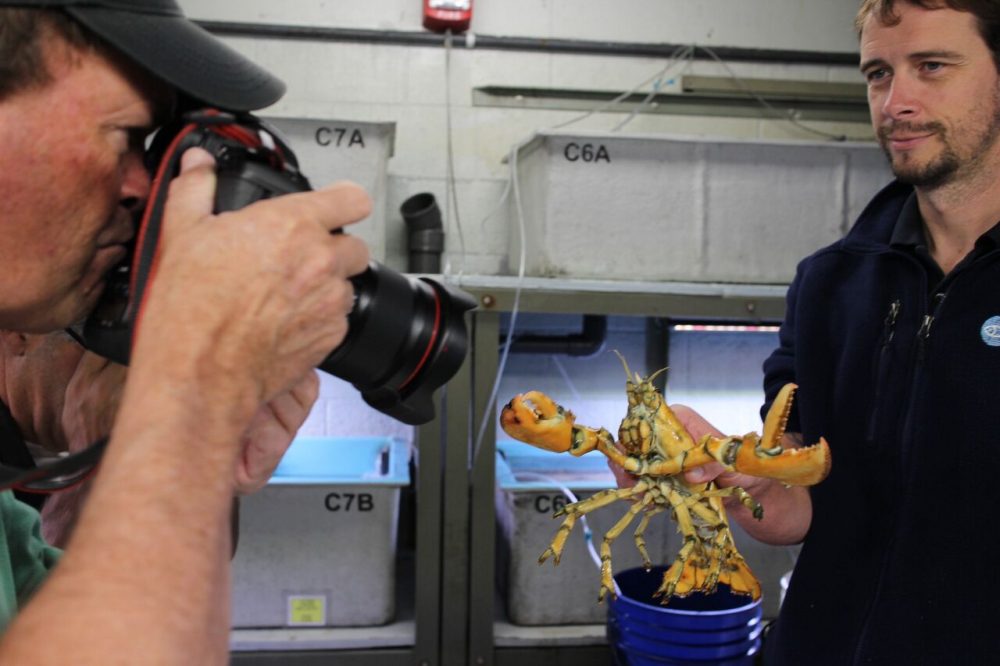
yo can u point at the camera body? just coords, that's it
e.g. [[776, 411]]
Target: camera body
[[406, 336]]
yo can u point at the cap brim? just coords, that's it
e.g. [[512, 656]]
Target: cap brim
[[185, 56]]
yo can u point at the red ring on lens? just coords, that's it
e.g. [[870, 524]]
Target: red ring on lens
[[430, 343]]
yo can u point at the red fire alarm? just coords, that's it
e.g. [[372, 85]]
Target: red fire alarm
[[441, 15]]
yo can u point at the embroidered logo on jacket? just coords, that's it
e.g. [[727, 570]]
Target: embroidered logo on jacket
[[990, 332]]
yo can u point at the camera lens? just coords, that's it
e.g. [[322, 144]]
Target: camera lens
[[406, 337]]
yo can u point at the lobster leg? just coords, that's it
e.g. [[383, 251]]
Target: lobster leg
[[744, 497], [638, 466], [709, 555], [715, 536], [679, 578], [607, 579], [577, 509], [640, 533], [534, 418]]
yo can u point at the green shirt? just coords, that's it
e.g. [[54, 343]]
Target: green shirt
[[25, 558]]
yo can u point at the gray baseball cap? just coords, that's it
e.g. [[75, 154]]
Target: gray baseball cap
[[156, 35]]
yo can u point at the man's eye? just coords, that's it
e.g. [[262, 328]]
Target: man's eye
[[932, 66], [874, 75]]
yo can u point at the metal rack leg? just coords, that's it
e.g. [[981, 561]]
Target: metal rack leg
[[427, 586], [455, 522], [482, 529]]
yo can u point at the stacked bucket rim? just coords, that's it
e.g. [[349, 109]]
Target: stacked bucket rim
[[720, 629]]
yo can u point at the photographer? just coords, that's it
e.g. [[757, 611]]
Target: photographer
[[242, 307]]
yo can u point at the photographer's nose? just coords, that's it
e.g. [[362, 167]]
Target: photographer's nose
[[136, 183]]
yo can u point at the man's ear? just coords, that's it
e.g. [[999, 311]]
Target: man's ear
[[14, 343]]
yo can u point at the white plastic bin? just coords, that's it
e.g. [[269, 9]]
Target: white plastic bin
[[657, 207], [318, 544]]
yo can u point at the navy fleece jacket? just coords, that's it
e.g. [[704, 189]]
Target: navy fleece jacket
[[901, 564]]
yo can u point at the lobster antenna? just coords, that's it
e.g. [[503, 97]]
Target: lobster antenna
[[628, 373], [655, 374]]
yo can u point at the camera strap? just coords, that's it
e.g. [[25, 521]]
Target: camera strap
[[209, 129], [60, 474]]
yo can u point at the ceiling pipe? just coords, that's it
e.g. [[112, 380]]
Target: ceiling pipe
[[540, 44]]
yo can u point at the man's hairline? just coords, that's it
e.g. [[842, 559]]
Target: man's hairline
[[941, 4], [893, 12]]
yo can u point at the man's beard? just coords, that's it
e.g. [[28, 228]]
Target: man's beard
[[948, 164], [939, 171]]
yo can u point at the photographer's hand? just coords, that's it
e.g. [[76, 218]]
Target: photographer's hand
[[271, 432], [259, 295]]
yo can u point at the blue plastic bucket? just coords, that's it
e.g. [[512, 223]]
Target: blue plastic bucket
[[720, 629]]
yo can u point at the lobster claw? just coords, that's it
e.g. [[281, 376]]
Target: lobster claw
[[777, 417], [766, 457], [534, 418]]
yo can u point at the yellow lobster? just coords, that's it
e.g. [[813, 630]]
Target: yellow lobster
[[655, 447]]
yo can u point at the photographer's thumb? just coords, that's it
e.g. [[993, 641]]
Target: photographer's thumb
[[192, 193]]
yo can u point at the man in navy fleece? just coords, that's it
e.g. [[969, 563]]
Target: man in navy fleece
[[893, 336]]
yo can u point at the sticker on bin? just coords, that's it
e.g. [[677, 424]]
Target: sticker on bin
[[306, 610]]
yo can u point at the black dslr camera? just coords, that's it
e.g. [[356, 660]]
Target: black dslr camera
[[406, 335]]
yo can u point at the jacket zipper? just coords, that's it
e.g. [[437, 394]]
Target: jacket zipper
[[925, 326], [889, 328], [923, 333], [888, 333]]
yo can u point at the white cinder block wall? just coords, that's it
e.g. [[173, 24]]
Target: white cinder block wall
[[406, 85]]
